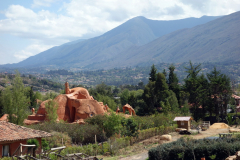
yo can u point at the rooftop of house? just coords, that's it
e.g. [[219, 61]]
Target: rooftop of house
[[13, 132], [182, 118]]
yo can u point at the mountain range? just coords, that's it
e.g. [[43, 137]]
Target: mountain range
[[141, 41]]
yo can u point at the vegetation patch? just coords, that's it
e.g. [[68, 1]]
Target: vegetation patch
[[188, 148]]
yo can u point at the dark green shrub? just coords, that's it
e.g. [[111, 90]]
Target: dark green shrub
[[36, 143], [113, 124], [130, 128], [97, 120], [45, 144], [222, 148]]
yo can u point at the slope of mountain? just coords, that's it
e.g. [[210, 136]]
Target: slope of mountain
[[215, 41], [135, 32]]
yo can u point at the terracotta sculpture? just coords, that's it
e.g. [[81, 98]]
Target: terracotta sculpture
[[33, 111], [129, 108], [73, 107], [126, 107]]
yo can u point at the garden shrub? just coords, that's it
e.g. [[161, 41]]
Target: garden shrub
[[79, 134], [57, 140], [33, 142], [222, 148], [45, 144], [112, 124], [97, 120], [129, 127]]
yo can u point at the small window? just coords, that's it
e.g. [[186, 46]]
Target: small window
[[182, 123], [5, 151]]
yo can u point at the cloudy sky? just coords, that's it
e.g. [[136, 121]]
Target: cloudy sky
[[28, 27]]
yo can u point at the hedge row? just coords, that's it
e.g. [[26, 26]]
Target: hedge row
[[186, 148]]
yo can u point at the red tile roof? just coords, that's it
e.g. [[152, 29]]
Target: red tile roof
[[12, 132]]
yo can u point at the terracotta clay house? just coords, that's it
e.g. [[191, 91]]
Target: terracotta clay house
[[183, 122], [11, 135]]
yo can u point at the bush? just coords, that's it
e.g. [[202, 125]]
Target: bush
[[112, 124], [57, 140], [222, 148], [130, 127], [97, 120], [155, 120], [79, 134], [34, 142]]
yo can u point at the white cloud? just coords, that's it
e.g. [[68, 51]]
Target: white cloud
[[45, 3], [84, 18], [31, 50]]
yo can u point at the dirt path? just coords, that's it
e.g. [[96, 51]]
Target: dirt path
[[144, 153]]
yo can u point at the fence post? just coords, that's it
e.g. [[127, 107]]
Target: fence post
[[102, 149]]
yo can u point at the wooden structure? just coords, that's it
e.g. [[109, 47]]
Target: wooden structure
[[55, 151], [46, 154], [225, 135], [205, 124], [183, 122], [28, 154]]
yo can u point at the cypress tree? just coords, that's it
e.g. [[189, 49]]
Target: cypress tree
[[153, 72], [173, 82], [220, 89], [192, 86]]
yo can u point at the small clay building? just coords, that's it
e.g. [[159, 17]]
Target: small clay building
[[11, 135], [183, 122]]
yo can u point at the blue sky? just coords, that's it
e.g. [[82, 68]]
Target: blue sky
[[28, 27]]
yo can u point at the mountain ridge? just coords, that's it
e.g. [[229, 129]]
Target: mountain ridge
[[215, 41], [134, 33]]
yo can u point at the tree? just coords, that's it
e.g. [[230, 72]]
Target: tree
[[173, 82], [130, 127], [165, 98], [204, 96], [165, 73], [153, 72], [15, 102], [149, 98], [192, 86], [49, 95], [172, 99], [51, 107], [193, 71], [107, 100], [104, 89], [132, 100], [33, 142], [30, 94], [112, 124], [220, 89], [124, 96]]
